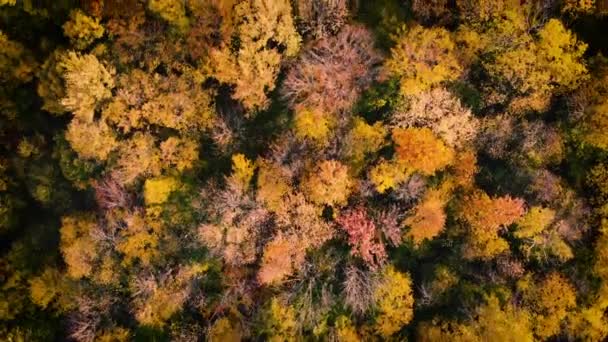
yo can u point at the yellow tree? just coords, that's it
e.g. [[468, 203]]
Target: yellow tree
[[266, 34], [428, 218], [51, 87], [77, 245], [364, 139], [394, 300], [273, 184], [328, 183], [88, 82], [485, 216], [535, 67], [423, 58], [550, 300], [91, 140], [82, 30], [491, 322], [279, 320], [420, 150]]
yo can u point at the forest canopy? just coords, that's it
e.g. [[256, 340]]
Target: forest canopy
[[317, 170]]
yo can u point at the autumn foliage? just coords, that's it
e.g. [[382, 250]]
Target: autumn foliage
[[303, 170]]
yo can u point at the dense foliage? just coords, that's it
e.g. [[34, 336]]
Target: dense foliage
[[333, 170]]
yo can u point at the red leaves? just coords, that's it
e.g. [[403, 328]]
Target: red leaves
[[362, 237]]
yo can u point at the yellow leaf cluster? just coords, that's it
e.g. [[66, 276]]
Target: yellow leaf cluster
[[137, 156], [225, 330], [492, 322], [420, 150], [536, 67], [578, 7], [178, 153], [273, 184], [550, 300], [82, 30], [145, 99], [51, 287], [88, 82], [328, 183], [387, 175], [428, 219], [173, 11], [77, 245], [253, 67], [535, 221], [91, 139], [345, 331], [242, 170], [280, 321], [314, 125], [423, 58], [395, 302], [364, 139], [139, 240], [157, 190], [16, 62], [51, 86]]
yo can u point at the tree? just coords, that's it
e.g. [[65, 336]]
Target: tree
[[82, 30], [137, 156], [418, 149], [480, 11], [578, 7], [157, 300], [279, 321], [550, 300], [328, 183], [139, 240], [394, 301], [91, 140], [282, 257], [224, 329], [77, 245], [313, 125], [332, 73], [88, 82], [590, 107], [422, 59], [273, 184], [485, 217], [363, 237], [541, 236], [266, 34], [158, 190], [16, 62], [535, 221], [242, 171], [535, 67], [173, 11], [179, 154], [51, 86], [172, 101], [441, 112], [364, 139], [387, 175], [428, 218]]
